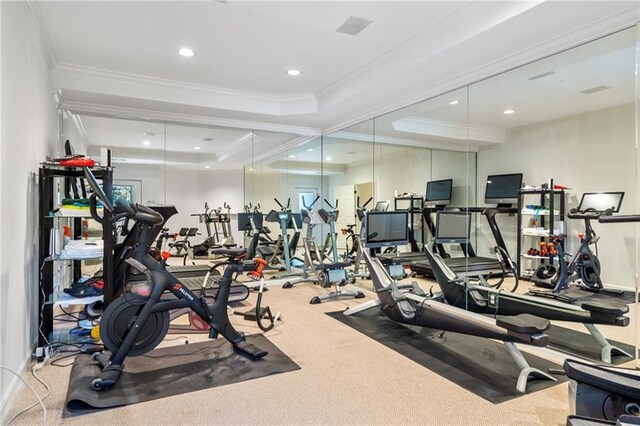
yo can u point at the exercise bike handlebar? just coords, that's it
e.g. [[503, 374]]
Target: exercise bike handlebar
[[330, 205], [627, 218], [589, 213], [365, 204], [280, 204], [308, 207]]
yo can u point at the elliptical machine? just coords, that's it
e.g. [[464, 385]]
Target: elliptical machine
[[134, 323]]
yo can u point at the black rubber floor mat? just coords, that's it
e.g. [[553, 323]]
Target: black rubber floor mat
[[577, 293], [172, 371], [479, 365], [584, 345]]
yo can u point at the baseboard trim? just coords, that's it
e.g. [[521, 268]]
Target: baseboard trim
[[9, 396]]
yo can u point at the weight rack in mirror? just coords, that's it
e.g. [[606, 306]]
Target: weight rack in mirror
[[50, 176]]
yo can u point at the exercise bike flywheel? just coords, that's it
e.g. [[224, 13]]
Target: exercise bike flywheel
[[120, 316]]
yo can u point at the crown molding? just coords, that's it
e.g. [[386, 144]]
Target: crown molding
[[450, 130], [462, 147], [115, 83], [177, 118], [605, 26], [36, 18]]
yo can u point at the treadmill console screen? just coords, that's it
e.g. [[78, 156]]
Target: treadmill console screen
[[384, 229], [439, 192], [503, 189], [453, 227]]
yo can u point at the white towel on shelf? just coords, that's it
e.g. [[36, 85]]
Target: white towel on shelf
[[83, 249]]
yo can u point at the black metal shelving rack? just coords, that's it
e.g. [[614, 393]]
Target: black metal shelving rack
[[47, 174], [547, 200]]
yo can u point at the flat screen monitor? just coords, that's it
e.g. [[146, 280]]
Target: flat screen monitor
[[503, 189], [382, 206], [601, 201], [244, 223], [439, 192], [453, 227], [384, 229]]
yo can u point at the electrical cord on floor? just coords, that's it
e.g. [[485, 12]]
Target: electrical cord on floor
[[40, 400], [44, 301]]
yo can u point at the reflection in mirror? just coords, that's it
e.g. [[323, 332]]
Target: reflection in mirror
[[566, 121], [347, 170], [570, 118], [138, 153], [423, 143]]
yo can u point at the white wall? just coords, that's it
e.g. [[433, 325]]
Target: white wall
[[29, 129], [187, 190], [589, 152]]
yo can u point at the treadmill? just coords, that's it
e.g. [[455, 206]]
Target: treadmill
[[438, 196], [454, 229]]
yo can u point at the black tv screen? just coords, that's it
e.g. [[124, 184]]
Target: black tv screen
[[384, 229], [244, 224], [503, 189], [453, 227], [439, 192]]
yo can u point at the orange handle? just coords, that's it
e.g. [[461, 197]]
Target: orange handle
[[256, 274]]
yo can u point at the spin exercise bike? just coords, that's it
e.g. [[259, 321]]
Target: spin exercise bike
[[584, 266], [134, 324]]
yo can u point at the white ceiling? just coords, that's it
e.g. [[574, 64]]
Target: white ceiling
[[120, 58], [244, 46], [174, 145]]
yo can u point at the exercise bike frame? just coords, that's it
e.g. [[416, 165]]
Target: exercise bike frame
[[582, 259]]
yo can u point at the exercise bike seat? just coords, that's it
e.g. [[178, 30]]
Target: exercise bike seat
[[230, 252], [612, 308], [618, 381], [523, 323]]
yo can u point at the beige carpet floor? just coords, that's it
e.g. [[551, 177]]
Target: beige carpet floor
[[346, 379]]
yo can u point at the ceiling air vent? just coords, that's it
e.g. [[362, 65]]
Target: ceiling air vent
[[354, 25], [595, 90], [207, 139], [545, 74]]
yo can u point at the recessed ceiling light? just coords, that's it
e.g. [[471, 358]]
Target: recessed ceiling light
[[328, 158], [207, 167], [293, 73], [310, 149], [146, 143], [196, 147], [186, 52], [291, 156], [454, 102], [508, 111], [250, 170]]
